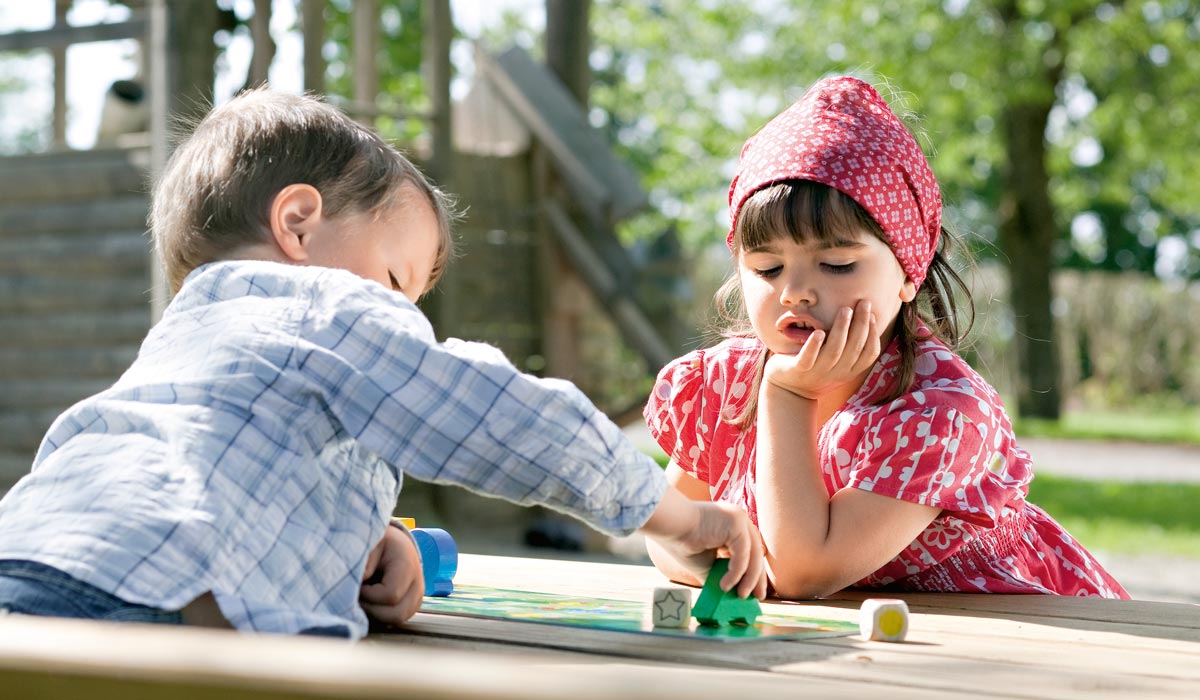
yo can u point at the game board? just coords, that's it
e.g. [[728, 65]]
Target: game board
[[618, 615]]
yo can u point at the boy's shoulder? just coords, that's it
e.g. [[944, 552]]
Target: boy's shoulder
[[234, 279]]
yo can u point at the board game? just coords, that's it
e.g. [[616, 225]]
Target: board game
[[618, 615]]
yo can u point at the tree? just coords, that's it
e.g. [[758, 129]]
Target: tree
[[1000, 84]]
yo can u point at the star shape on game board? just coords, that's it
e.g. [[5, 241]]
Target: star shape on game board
[[671, 607]]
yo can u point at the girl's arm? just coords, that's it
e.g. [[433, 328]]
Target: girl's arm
[[673, 568], [818, 545]]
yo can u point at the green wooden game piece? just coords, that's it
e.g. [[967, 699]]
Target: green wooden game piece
[[715, 608]]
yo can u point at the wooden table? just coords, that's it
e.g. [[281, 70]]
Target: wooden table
[[982, 645]]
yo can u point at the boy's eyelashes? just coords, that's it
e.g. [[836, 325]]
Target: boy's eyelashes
[[395, 284]]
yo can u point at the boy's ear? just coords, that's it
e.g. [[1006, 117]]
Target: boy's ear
[[294, 217], [908, 291]]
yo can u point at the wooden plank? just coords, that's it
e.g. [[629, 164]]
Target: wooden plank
[[599, 180], [35, 294], [365, 46], [59, 56], [264, 46], [55, 394], [21, 431], [807, 688], [1021, 643], [71, 255], [1068, 608], [54, 182], [14, 165], [568, 45], [950, 649], [70, 327], [854, 660], [119, 213], [102, 661], [967, 638], [1045, 678], [87, 362], [164, 82], [62, 36], [312, 24], [439, 33], [1047, 617], [13, 465], [613, 296]]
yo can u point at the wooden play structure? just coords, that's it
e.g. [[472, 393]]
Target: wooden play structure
[[542, 196]]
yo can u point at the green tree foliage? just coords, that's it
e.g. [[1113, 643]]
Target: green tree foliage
[[1035, 113], [401, 86], [680, 85]]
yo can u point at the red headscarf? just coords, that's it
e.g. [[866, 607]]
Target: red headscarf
[[842, 134]]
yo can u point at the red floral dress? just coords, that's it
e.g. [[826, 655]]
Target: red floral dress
[[946, 443]]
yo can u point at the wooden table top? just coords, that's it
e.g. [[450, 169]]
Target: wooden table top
[[991, 645]]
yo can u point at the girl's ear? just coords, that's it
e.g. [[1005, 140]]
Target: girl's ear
[[908, 291], [295, 217]]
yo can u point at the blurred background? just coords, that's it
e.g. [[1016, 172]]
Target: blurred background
[[591, 143]]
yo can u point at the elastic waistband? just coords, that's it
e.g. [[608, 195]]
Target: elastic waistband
[[988, 546]]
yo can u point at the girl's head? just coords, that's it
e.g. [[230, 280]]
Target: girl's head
[[834, 202], [217, 193]]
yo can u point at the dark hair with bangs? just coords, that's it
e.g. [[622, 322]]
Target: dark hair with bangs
[[811, 211], [215, 194]]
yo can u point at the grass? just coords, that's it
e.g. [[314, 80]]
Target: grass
[[1149, 423], [1124, 518]]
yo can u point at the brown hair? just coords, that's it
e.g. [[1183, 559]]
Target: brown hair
[[808, 211], [216, 191]]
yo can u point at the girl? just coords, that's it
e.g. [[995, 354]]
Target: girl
[[837, 414]]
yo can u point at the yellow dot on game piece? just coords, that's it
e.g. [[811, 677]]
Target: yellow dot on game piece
[[891, 622], [409, 523], [883, 619]]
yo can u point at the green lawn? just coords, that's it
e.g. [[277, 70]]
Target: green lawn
[[1152, 422], [1127, 518]]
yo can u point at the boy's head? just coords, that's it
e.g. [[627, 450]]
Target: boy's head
[[252, 171]]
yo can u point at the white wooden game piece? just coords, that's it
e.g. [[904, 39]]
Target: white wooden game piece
[[671, 607], [883, 619]]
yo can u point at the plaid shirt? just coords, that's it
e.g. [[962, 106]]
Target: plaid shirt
[[256, 446]]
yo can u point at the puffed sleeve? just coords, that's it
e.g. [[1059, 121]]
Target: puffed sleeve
[[942, 451], [674, 413]]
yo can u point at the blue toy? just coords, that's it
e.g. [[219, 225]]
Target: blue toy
[[439, 559]]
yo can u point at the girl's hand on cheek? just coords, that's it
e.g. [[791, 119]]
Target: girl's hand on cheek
[[828, 361]]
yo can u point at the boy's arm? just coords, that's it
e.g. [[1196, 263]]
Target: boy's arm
[[690, 573], [690, 534], [460, 413]]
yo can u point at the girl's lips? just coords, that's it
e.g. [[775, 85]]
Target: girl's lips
[[796, 333], [795, 328]]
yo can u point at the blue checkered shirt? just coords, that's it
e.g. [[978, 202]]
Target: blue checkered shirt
[[256, 447]]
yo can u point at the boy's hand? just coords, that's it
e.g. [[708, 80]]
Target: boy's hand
[[828, 361], [393, 582], [694, 533]]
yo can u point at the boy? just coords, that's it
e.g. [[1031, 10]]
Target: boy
[[244, 469]]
